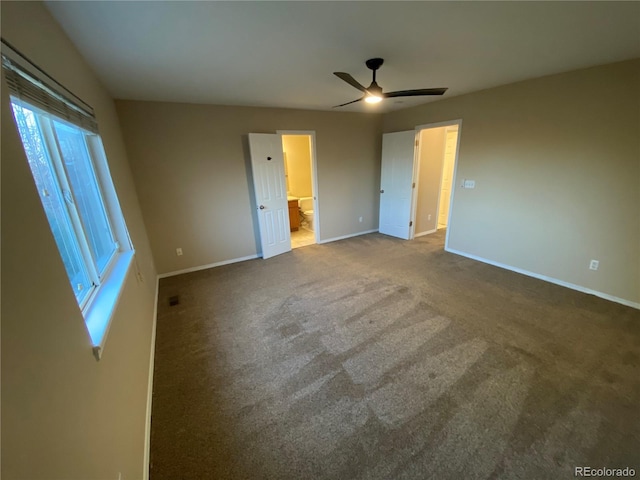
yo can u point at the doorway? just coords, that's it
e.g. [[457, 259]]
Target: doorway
[[300, 178], [418, 179], [436, 158], [444, 200]]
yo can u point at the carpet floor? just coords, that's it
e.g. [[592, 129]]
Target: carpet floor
[[377, 358]]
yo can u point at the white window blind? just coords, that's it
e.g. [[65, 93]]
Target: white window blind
[[27, 83]]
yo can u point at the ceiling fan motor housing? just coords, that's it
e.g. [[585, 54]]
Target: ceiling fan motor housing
[[374, 89], [374, 63]]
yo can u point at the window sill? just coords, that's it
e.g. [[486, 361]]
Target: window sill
[[99, 314]]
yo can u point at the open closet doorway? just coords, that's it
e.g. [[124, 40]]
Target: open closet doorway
[[300, 176], [435, 172]]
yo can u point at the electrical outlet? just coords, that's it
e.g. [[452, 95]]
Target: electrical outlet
[[179, 251], [360, 219], [594, 264]]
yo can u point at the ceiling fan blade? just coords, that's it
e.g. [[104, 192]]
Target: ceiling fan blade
[[348, 103], [350, 80], [415, 93]]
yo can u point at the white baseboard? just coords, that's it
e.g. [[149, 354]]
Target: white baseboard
[[250, 257], [562, 283], [210, 265], [334, 239], [152, 356], [421, 234]]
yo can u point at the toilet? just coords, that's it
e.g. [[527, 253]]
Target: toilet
[[306, 209]]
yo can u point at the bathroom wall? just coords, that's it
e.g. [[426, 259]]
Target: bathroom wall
[[431, 154], [298, 156]]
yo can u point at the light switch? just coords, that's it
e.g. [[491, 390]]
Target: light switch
[[469, 184]]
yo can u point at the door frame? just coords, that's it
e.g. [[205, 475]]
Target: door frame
[[426, 126], [314, 175]]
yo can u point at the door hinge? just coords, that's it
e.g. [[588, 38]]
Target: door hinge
[[411, 224], [416, 143], [413, 185]]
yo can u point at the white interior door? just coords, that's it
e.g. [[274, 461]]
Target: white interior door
[[396, 190], [267, 163]]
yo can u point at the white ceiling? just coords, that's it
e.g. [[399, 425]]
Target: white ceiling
[[282, 54]]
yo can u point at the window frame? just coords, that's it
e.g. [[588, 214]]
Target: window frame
[[82, 224], [98, 306], [62, 183], [44, 121]]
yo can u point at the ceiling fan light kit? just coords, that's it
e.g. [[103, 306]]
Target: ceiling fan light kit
[[373, 93]]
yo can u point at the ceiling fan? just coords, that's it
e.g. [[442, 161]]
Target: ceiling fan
[[373, 93]]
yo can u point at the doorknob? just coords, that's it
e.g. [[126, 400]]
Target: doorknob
[[261, 207], [381, 191]]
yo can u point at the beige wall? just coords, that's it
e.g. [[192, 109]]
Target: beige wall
[[298, 150], [64, 414], [431, 155], [556, 162], [192, 169]]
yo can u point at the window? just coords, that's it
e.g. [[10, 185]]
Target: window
[[62, 169], [69, 168]]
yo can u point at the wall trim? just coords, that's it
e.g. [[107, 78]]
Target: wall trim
[[444, 123], [334, 239], [152, 355], [428, 232], [250, 257], [209, 265], [555, 281]]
